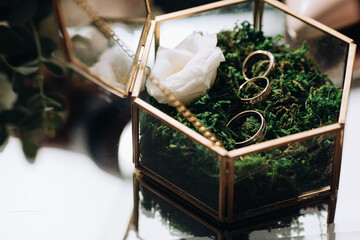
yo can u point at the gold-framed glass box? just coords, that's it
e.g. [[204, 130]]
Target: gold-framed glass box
[[232, 185], [154, 208]]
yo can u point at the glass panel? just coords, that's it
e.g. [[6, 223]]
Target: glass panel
[[213, 21], [93, 48], [159, 219], [282, 173], [328, 51], [179, 160]]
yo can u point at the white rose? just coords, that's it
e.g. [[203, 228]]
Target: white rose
[[114, 65], [189, 70]]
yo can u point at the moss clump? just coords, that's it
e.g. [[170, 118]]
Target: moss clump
[[302, 98]]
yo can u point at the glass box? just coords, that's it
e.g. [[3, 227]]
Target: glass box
[[287, 169], [158, 215]]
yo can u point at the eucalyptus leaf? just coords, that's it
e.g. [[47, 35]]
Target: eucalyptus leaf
[[29, 147], [54, 67], [32, 63], [26, 70], [52, 120], [51, 132], [11, 43], [54, 103]]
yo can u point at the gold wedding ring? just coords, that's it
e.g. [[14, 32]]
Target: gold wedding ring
[[259, 135], [260, 96], [253, 57]]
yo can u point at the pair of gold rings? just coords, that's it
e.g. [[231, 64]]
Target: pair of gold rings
[[249, 60]]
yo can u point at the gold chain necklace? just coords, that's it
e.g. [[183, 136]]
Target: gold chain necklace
[[103, 26]]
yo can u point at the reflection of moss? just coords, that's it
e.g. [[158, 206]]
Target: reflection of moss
[[172, 217], [179, 222], [302, 98]]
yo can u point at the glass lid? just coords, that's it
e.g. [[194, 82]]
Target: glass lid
[[103, 39]]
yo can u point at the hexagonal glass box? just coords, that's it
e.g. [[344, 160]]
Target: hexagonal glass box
[[299, 159], [154, 208]]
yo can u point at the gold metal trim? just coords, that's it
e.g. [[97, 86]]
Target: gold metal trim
[[142, 179], [347, 82], [157, 36], [318, 191], [258, 13], [188, 198], [230, 189], [135, 132], [284, 140], [337, 161], [198, 9], [130, 224], [223, 188], [139, 58], [314, 196], [144, 58], [180, 127], [78, 66], [61, 23], [336, 168]]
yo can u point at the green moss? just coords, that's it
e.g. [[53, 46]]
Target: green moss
[[302, 98]]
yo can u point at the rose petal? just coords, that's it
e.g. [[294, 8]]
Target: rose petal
[[189, 70]]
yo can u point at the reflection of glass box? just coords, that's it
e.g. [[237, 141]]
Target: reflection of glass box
[[158, 215], [233, 185]]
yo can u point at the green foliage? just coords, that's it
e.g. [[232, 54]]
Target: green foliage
[[302, 98], [24, 58]]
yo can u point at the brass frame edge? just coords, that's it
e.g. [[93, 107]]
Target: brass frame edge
[[78, 67], [197, 137], [138, 61], [223, 188], [60, 22], [336, 169], [135, 132], [337, 161], [82, 69], [174, 189], [142, 66], [295, 202], [347, 82], [263, 146], [258, 13], [142, 179], [230, 189], [198, 9], [157, 35]]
